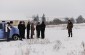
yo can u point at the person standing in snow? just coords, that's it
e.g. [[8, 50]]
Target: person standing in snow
[[28, 30], [23, 23], [7, 30], [20, 31], [32, 30], [43, 30], [21, 28], [38, 27], [69, 27]]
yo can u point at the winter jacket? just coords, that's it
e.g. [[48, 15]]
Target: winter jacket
[[38, 27], [70, 25], [28, 26], [43, 26], [32, 29], [21, 27]]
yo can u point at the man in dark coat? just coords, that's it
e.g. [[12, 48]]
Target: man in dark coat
[[28, 30], [69, 27], [23, 23], [38, 27], [32, 30], [43, 30], [21, 28]]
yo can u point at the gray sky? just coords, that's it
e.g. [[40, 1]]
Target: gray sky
[[22, 9]]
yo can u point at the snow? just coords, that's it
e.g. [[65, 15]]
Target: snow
[[56, 42]]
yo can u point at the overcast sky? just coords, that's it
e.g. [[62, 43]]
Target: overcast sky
[[22, 9]]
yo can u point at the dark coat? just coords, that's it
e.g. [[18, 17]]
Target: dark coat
[[43, 30], [38, 27], [70, 26], [28, 26], [32, 29], [43, 26], [21, 27]]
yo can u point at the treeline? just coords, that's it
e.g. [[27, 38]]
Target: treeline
[[56, 21]]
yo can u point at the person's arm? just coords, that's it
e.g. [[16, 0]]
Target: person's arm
[[18, 26], [36, 27], [9, 27], [6, 28], [33, 27], [45, 25], [72, 25], [24, 27], [67, 26], [29, 27]]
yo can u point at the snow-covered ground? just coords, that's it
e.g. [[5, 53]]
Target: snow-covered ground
[[56, 42]]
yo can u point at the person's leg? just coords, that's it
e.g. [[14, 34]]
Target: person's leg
[[28, 34], [31, 34], [8, 34], [71, 33], [42, 34], [20, 35], [68, 33], [39, 34], [23, 34]]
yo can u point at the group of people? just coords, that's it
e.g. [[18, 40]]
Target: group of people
[[40, 28]]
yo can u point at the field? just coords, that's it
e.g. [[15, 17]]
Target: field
[[56, 42]]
